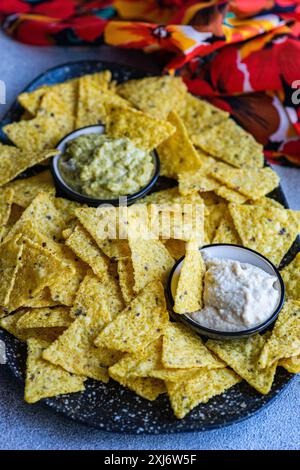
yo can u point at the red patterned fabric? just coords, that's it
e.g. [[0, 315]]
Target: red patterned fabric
[[242, 55]]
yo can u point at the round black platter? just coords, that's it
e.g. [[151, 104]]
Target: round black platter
[[110, 407]]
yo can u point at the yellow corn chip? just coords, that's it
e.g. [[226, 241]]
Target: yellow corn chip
[[242, 356], [226, 232], [184, 349], [232, 144], [43, 216], [252, 182], [45, 318], [150, 260], [140, 323], [44, 379], [98, 295], [291, 364], [291, 276], [63, 290], [188, 296], [10, 167], [213, 219], [38, 267], [14, 216], [86, 249], [126, 279], [155, 95], [10, 261], [284, 341], [177, 154], [186, 395], [102, 226], [198, 115], [25, 190], [147, 388], [94, 96], [6, 199], [230, 195], [41, 300], [31, 100], [75, 350], [268, 230], [194, 181], [9, 323], [144, 131]]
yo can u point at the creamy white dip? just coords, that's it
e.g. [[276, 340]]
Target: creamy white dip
[[237, 296]]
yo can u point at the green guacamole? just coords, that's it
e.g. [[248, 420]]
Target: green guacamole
[[105, 168]]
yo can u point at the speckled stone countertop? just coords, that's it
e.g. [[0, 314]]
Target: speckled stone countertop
[[37, 427]]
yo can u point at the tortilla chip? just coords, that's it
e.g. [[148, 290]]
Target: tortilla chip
[[194, 181], [242, 356], [96, 296], [41, 300], [147, 388], [213, 219], [144, 131], [230, 195], [45, 318], [6, 199], [140, 323], [266, 201], [268, 230], [226, 232], [186, 395], [31, 100], [162, 197], [156, 96], [10, 322], [63, 290], [10, 256], [189, 290], [37, 268], [198, 115], [44, 379], [291, 364], [86, 249], [98, 223], [94, 95], [43, 216], [177, 154], [10, 167], [25, 190], [176, 248], [75, 350], [284, 341], [184, 349], [291, 277], [254, 183], [126, 279], [150, 260], [232, 144]]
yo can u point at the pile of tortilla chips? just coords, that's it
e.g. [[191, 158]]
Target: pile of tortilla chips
[[90, 301]]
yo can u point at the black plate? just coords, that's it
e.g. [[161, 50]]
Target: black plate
[[111, 407]]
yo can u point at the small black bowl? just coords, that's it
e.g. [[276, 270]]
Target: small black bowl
[[244, 255], [68, 192]]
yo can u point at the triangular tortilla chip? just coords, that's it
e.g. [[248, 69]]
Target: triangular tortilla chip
[[184, 396], [284, 341], [242, 356], [291, 276], [140, 323], [254, 183], [189, 290], [126, 279], [10, 167], [26, 189], [226, 231], [184, 349], [177, 153], [47, 380], [232, 144], [268, 230], [291, 364], [45, 318], [144, 131]]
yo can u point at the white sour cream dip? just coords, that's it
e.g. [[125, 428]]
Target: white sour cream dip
[[237, 296]]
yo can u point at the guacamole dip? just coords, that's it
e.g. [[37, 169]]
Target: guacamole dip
[[105, 168]]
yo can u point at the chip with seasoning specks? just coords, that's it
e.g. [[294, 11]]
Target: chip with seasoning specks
[[242, 356], [44, 379], [25, 190], [284, 341], [45, 318], [291, 277]]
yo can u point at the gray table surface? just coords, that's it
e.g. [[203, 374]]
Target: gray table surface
[[25, 426]]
